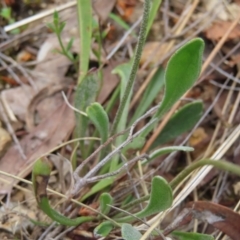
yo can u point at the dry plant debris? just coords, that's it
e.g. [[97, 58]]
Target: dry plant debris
[[37, 121]]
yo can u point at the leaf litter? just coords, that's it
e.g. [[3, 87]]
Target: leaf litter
[[39, 106]]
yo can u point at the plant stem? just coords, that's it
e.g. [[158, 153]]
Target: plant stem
[[136, 60], [84, 10], [65, 53], [220, 164]]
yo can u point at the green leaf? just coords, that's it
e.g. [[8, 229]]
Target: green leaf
[[51, 27], [70, 43], [6, 13], [42, 167], [86, 94], [183, 120], [56, 19], [105, 200], [61, 26], [84, 10], [137, 143], [153, 12], [150, 94], [99, 117], [103, 229], [160, 198], [166, 150], [130, 233], [123, 71], [40, 176], [191, 236], [182, 71], [98, 187]]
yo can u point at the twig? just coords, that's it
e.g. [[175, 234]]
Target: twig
[[39, 16]]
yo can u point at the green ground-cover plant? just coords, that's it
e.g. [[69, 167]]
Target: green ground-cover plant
[[117, 137], [6, 13]]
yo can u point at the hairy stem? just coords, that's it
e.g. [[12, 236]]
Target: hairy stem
[[136, 60]]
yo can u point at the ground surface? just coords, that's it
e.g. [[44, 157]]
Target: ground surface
[[35, 119]]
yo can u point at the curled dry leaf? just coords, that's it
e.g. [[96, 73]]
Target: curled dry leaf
[[220, 217]]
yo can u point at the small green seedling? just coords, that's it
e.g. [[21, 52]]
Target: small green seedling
[[57, 27]]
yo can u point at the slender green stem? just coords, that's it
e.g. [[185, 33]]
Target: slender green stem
[[84, 10], [136, 60], [65, 53], [220, 164], [113, 99]]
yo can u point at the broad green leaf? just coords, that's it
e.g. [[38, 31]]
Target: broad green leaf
[[166, 150], [150, 94], [160, 198], [86, 94], [105, 200], [182, 71], [153, 12], [183, 120], [103, 229], [130, 233], [99, 117], [84, 10], [191, 236]]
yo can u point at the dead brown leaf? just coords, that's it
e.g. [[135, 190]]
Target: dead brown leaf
[[220, 217], [47, 135], [110, 81], [218, 30], [103, 8], [45, 102], [152, 52], [126, 8]]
